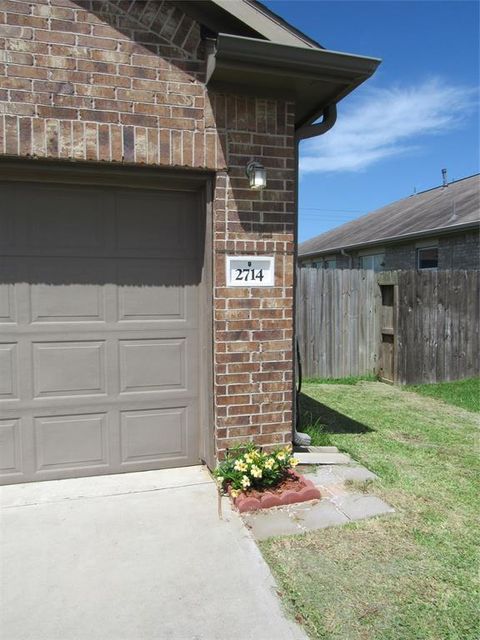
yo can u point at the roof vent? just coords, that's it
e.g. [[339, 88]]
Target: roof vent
[[444, 178]]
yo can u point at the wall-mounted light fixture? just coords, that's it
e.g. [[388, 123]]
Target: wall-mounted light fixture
[[257, 175]]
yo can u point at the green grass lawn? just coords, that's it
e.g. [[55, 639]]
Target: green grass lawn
[[409, 576], [462, 393]]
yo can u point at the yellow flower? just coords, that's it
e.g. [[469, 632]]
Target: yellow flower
[[256, 471], [248, 458], [240, 466], [245, 482], [234, 493], [281, 455], [270, 463], [293, 462]]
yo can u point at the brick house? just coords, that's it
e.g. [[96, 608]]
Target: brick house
[[126, 127], [435, 229]]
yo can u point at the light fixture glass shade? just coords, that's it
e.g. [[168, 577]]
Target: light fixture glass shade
[[257, 176]]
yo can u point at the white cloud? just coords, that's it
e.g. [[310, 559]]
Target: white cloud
[[386, 122]]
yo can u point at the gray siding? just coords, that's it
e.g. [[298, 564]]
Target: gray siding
[[401, 256], [461, 251], [455, 251]]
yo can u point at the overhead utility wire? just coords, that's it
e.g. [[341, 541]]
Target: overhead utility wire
[[336, 210]]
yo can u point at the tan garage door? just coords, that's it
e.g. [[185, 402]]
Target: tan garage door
[[99, 335]]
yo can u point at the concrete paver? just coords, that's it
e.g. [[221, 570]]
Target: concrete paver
[[136, 557], [323, 458], [360, 506], [321, 476], [316, 449], [333, 490], [357, 473], [267, 523], [319, 516]]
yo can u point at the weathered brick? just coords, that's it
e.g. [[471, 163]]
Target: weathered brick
[[135, 95], [56, 62], [95, 91], [65, 140], [15, 7], [136, 72], [15, 83], [96, 43], [14, 57], [58, 37], [19, 71], [70, 26], [10, 31], [110, 80], [60, 113], [120, 106], [138, 120], [108, 56], [95, 115], [150, 109], [47, 11], [53, 87], [62, 100], [38, 137], [17, 108]]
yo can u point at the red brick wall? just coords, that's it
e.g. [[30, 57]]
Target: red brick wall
[[123, 81]]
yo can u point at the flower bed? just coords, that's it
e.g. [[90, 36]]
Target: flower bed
[[258, 480]]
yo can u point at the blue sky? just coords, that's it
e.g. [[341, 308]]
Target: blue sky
[[418, 114]]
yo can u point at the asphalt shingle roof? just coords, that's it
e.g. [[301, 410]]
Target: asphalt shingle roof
[[438, 209]]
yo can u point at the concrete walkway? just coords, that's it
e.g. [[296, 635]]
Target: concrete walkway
[[132, 557], [338, 506]]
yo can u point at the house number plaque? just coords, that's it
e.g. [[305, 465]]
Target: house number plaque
[[250, 271]]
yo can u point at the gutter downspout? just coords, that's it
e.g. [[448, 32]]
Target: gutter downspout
[[349, 256], [305, 131], [309, 130]]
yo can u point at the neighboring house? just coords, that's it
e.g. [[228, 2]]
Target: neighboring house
[[435, 229], [126, 128]]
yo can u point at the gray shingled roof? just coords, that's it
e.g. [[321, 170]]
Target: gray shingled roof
[[439, 209]]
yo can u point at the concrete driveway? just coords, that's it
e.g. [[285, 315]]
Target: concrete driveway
[[134, 556]]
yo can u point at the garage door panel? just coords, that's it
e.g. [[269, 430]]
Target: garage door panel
[[153, 435], [8, 371], [152, 365], [9, 275], [7, 225], [65, 217], [71, 441], [99, 344], [10, 447], [170, 234], [60, 229], [7, 303], [153, 289], [69, 368], [70, 290]]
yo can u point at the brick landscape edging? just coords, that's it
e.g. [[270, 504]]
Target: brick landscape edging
[[248, 503]]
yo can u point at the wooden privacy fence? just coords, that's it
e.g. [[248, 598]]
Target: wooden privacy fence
[[405, 326], [337, 322]]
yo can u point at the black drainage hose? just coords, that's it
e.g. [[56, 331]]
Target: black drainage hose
[[299, 439]]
